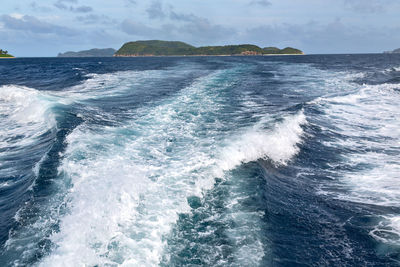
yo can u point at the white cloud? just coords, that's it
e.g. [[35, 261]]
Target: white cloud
[[32, 24], [16, 16]]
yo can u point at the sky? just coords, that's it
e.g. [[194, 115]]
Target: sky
[[48, 27]]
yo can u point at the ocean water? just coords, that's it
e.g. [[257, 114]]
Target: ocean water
[[200, 161]]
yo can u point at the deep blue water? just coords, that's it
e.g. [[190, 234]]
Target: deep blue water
[[200, 161]]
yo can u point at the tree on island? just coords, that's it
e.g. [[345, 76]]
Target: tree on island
[[4, 53]]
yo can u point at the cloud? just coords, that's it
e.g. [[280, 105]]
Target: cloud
[[16, 15], [60, 3], [33, 25], [138, 29], [182, 17], [96, 19], [130, 3], [80, 9], [155, 11], [201, 29], [323, 38], [39, 8], [368, 6], [264, 3], [204, 31], [182, 26], [195, 30]]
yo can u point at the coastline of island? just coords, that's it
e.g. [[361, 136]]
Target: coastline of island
[[94, 52], [158, 48], [264, 55], [395, 51], [5, 55]]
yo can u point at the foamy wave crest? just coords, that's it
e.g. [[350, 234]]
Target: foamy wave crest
[[130, 183], [278, 145], [25, 117], [367, 123], [108, 84], [356, 117], [392, 69], [116, 83], [25, 105], [27, 130], [102, 85], [388, 230]]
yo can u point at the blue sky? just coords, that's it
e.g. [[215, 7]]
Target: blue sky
[[47, 27]]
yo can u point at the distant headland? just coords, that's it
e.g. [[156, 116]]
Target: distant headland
[[396, 51], [176, 48], [95, 52], [5, 54]]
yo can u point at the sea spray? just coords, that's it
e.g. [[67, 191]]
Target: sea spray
[[367, 121], [129, 184], [278, 144]]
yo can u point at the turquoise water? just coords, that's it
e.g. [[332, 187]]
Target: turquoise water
[[211, 161]]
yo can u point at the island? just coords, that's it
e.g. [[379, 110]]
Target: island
[[396, 51], [176, 48], [95, 52], [5, 54]]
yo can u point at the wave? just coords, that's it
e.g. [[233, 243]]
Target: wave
[[126, 83], [365, 126], [388, 230], [391, 70], [107, 85], [23, 107], [278, 144], [27, 127], [130, 183]]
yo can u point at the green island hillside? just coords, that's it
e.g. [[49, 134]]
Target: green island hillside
[[154, 48], [174, 48], [95, 52], [4, 53]]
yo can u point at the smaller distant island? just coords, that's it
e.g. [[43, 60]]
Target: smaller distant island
[[95, 52], [396, 51], [5, 54], [176, 48]]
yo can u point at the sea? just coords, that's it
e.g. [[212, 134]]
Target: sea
[[200, 161]]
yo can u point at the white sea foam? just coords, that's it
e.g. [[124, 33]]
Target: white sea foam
[[102, 85], [129, 183], [27, 128], [115, 84], [25, 116], [247, 234], [25, 106], [368, 121], [388, 230], [278, 144], [392, 69]]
